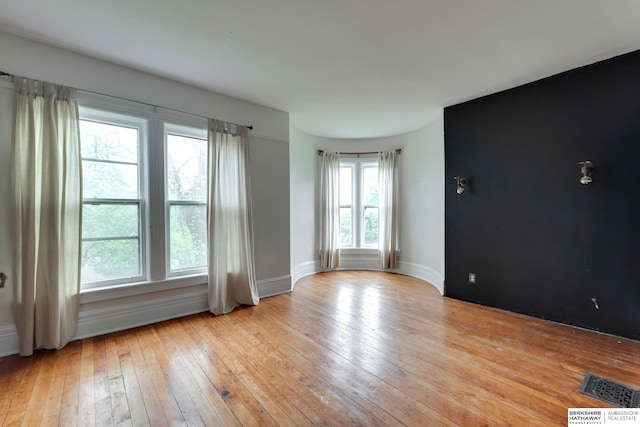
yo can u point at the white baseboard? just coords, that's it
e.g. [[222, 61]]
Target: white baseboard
[[274, 286], [102, 315], [422, 272], [360, 262], [138, 310], [8, 340], [123, 314], [304, 269]]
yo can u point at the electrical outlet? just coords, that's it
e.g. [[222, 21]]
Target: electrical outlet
[[472, 277]]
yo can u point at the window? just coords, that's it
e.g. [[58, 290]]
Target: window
[[358, 203], [187, 197], [113, 206], [144, 197]]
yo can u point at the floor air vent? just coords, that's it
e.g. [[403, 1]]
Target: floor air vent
[[610, 391]]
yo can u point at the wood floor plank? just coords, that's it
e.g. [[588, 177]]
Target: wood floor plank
[[387, 404], [51, 411], [244, 406], [135, 401], [86, 396], [121, 413], [12, 371], [344, 348], [102, 394], [144, 375], [71, 388], [175, 374], [209, 403], [40, 390], [159, 386], [403, 354], [293, 396], [255, 396], [17, 410]]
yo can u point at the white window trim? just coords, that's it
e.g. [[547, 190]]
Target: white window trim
[[358, 165], [152, 156], [189, 132], [141, 124]]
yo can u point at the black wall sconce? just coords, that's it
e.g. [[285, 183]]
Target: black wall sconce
[[586, 169], [461, 183]]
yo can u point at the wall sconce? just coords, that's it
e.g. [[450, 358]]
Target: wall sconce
[[461, 182], [586, 169]]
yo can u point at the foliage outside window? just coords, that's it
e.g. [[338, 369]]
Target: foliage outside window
[[358, 203], [144, 198], [112, 206], [187, 196]]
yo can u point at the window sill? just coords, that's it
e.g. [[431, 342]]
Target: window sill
[[359, 251], [140, 288]]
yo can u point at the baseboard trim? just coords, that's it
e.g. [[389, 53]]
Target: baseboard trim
[[274, 286], [418, 271], [8, 340], [422, 272], [304, 269], [126, 315]]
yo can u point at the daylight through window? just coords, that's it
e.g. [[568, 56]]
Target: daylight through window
[[144, 198], [358, 203]]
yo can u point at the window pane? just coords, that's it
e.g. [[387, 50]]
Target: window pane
[[110, 259], [345, 186], [188, 237], [370, 226], [370, 186], [109, 220], [109, 180], [109, 142], [346, 230], [186, 168]]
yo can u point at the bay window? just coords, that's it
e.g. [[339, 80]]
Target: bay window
[[358, 203]]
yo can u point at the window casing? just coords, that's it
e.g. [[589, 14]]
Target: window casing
[[154, 227], [359, 203], [114, 210], [186, 199]]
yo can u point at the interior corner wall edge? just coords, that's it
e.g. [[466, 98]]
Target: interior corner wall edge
[[538, 241]]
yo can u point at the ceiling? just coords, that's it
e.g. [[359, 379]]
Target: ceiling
[[341, 68]]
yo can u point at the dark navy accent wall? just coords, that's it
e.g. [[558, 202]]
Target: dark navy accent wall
[[539, 242]]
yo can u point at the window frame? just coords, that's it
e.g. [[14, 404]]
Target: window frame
[[358, 165], [152, 173], [171, 128], [351, 206], [122, 120]]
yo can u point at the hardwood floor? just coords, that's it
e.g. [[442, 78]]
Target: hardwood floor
[[345, 348]]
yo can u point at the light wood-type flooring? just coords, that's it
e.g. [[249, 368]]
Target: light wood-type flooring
[[345, 348]]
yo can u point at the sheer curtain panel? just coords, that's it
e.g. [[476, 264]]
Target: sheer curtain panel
[[330, 206], [47, 206], [230, 229], [388, 203]]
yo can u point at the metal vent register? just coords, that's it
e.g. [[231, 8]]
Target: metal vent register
[[610, 391]]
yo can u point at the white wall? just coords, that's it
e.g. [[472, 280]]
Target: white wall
[[114, 309], [7, 330], [421, 200]]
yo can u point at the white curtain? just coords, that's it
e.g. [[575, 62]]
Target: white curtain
[[330, 206], [47, 206], [388, 204], [230, 229]]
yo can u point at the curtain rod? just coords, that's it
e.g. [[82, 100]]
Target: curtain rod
[[398, 151], [3, 73]]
